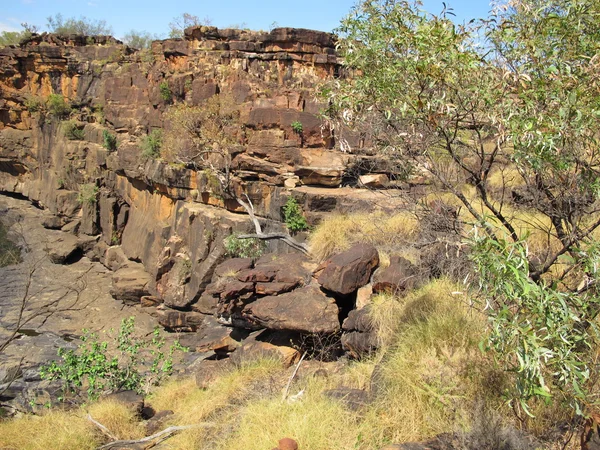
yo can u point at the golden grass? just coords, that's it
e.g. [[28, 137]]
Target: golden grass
[[424, 381], [340, 231], [427, 378], [56, 430], [315, 422], [120, 420], [192, 405]]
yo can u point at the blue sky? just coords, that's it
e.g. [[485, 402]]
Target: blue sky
[[155, 15]]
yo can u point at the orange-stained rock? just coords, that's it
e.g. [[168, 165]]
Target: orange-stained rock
[[287, 444]]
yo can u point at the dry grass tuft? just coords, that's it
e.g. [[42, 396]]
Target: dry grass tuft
[[120, 420], [56, 430], [315, 422], [339, 232]]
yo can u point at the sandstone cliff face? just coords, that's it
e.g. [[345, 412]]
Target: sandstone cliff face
[[170, 216]]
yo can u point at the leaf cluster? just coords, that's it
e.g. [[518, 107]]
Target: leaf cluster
[[109, 141], [293, 217], [57, 106], [244, 248], [152, 143], [121, 364], [82, 26]]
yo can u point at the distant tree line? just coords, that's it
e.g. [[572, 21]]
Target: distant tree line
[[89, 27]]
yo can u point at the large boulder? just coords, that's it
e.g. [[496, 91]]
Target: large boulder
[[239, 281], [131, 283], [347, 271], [60, 246], [306, 309]]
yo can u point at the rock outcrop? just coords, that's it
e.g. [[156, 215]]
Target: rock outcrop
[[159, 223]]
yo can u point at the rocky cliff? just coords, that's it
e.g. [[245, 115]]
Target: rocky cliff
[[159, 223]]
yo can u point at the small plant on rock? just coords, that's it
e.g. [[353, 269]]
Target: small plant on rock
[[125, 363], [88, 193], [151, 144], [73, 132], [244, 248], [297, 126], [293, 217], [109, 141], [165, 91], [57, 106], [33, 103]]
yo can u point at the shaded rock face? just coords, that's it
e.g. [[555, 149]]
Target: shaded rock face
[[359, 338]]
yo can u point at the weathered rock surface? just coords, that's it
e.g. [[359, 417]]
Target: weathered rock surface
[[239, 281], [131, 283], [306, 309], [359, 337], [346, 272], [401, 275], [60, 246]]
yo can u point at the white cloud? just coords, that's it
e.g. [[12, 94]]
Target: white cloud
[[92, 4], [7, 27]]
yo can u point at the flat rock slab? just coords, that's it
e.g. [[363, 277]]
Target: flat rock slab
[[60, 245], [130, 284], [347, 271], [306, 309]]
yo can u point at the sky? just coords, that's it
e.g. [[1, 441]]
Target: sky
[[154, 15]]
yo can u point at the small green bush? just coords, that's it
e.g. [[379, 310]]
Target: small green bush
[[244, 248], [293, 217], [58, 106], [151, 144], [297, 127], [118, 365], [33, 103], [165, 91], [73, 132], [110, 141], [88, 193]]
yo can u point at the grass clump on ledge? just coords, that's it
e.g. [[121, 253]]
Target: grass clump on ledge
[[73, 132], [151, 144], [339, 232]]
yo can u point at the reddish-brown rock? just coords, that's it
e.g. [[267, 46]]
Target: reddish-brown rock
[[349, 270], [305, 309], [401, 275]]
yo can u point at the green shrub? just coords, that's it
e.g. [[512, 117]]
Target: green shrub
[[292, 216], [297, 127], [88, 193], [73, 132], [58, 106], [244, 248], [118, 365], [165, 91], [110, 141], [33, 103], [151, 144]]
